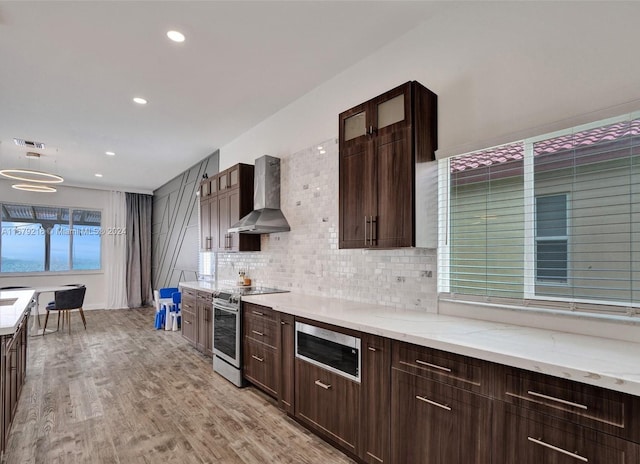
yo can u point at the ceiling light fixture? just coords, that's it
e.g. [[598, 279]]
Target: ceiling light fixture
[[110, 153], [98, 175], [34, 188], [140, 100], [29, 175], [176, 36]]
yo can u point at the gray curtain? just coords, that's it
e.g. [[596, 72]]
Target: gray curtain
[[139, 290]]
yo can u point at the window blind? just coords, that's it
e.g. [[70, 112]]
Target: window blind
[[552, 220]]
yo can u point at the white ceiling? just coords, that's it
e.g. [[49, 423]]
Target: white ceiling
[[69, 71]]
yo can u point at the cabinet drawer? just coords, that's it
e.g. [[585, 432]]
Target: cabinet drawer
[[188, 292], [257, 311], [602, 409], [432, 422], [188, 304], [261, 330], [328, 403], [260, 366], [205, 297], [525, 437], [189, 325], [452, 369]]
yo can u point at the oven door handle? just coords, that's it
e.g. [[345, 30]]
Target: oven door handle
[[226, 309]]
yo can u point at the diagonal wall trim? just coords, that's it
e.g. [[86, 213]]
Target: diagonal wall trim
[[175, 225]]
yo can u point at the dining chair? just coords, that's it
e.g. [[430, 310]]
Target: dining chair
[[64, 302]]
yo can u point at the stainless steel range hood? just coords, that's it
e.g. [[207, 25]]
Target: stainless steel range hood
[[266, 216]]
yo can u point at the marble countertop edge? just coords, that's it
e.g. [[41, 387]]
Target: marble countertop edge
[[597, 361]]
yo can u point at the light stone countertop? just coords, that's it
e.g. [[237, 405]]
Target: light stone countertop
[[602, 362], [204, 285], [13, 305]]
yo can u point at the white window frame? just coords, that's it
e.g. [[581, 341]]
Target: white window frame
[[529, 254]]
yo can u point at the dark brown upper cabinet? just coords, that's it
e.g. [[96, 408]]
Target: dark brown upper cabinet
[[224, 199], [380, 142]]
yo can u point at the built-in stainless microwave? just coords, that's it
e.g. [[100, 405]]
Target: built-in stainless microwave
[[334, 351]]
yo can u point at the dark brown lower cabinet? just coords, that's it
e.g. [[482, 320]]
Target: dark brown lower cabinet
[[376, 399], [524, 436], [13, 372], [260, 366], [435, 423], [197, 319], [204, 323], [286, 397], [329, 404]]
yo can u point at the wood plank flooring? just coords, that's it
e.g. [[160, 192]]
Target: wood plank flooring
[[122, 392]]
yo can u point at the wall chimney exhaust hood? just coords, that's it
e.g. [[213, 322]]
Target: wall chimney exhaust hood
[[266, 216]]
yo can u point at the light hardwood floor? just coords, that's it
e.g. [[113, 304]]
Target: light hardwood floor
[[121, 392]]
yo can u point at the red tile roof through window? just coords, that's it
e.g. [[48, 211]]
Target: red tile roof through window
[[515, 151]]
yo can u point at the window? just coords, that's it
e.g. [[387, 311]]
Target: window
[[552, 221], [551, 238], [45, 238]]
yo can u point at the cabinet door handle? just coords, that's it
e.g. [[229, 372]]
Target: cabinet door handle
[[372, 349], [323, 385], [557, 400], [435, 366], [284, 323], [365, 231], [426, 400], [187, 322], [257, 358], [374, 229], [538, 441], [258, 333], [258, 313], [208, 243]]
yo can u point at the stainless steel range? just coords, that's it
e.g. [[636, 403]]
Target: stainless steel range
[[227, 330]]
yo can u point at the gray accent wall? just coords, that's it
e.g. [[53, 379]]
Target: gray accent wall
[[175, 234]]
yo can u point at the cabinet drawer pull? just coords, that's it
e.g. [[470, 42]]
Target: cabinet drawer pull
[[435, 366], [443, 406], [557, 400], [257, 358], [257, 313], [559, 450], [187, 322], [323, 385], [257, 333], [372, 349]]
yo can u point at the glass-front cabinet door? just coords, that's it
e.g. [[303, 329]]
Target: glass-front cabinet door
[[392, 110], [354, 125]]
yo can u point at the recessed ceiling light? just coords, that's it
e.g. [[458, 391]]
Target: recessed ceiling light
[[176, 36], [320, 147], [98, 175], [322, 152], [140, 101], [110, 153]]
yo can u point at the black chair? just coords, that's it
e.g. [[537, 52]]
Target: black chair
[[64, 302]]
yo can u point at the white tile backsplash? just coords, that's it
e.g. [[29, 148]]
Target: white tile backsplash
[[307, 258]]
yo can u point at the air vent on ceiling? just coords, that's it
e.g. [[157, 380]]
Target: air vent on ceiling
[[28, 143], [33, 155]]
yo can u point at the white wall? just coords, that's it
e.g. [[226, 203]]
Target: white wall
[[71, 197], [501, 70]]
